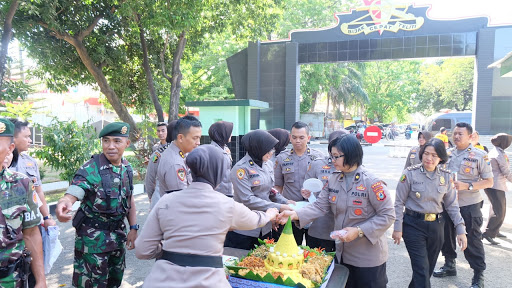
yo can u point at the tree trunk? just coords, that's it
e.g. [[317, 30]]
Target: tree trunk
[[105, 88], [176, 76], [313, 101], [6, 38], [149, 75]]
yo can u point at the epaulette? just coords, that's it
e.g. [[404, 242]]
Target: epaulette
[[443, 169], [162, 149], [414, 167]]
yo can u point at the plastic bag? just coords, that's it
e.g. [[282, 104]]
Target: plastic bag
[[51, 247]]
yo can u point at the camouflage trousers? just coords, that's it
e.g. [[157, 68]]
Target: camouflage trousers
[[11, 281], [99, 270]]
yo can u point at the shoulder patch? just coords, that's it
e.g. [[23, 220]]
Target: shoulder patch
[[155, 157], [240, 173], [381, 196], [403, 178], [181, 174]]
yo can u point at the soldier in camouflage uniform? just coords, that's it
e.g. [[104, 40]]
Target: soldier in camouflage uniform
[[104, 187], [19, 218]]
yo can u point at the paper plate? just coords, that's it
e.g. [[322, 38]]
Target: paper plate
[[314, 185], [299, 205]]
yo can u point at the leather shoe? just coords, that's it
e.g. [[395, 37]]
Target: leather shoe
[[491, 240], [448, 269], [501, 235]]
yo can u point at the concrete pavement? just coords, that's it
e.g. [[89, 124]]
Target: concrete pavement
[[377, 159]]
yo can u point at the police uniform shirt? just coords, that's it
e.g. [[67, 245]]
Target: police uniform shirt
[[173, 174], [252, 186], [413, 158], [158, 146], [225, 187], [471, 165], [290, 170], [367, 204], [426, 192], [500, 168], [28, 166], [321, 169], [151, 181]]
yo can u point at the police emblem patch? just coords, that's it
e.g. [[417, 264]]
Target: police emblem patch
[[467, 170], [181, 174], [361, 187], [358, 211], [240, 173], [155, 157], [380, 195], [403, 178]]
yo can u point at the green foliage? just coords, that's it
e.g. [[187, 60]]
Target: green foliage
[[14, 91], [68, 146], [21, 110]]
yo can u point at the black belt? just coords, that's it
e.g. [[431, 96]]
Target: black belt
[[192, 260], [429, 217], [98, 224], [170, 191]]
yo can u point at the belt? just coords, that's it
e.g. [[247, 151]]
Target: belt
[[429, 217], [192, 260], [170, 191], [98, 224]]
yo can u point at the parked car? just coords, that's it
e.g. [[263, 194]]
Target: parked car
[[447, 120]]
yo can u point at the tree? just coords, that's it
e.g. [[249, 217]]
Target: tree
[[6, 36], [75, 42]]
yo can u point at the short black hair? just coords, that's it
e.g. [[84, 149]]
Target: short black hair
[[300, 125], [465, 125], [183, 125], [442, 129], [438, 145], [18, 125], [170, 129], [350, 146], [160, 124], [15, 156]]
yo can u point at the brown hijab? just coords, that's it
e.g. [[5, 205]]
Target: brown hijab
[[207, 165], [501, 140], [220, 132], [257, 143], [427, 135], [283, 136]]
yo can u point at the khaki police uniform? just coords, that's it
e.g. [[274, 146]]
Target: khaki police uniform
[[423, 195], [252, 187], [471, 165], [320, 229], [413, 158], [173, 173], [225, 187], [365, 203], [151, 181], [290, 171]]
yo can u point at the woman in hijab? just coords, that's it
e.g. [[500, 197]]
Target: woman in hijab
[[252, 186], [283, 136], [185, 231], [220, 134], [414, 157], [501, 172]]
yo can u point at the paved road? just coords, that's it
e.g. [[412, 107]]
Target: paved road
[[377, 159]]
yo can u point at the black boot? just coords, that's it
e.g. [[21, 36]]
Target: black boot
[[478, 279], [448, 269]]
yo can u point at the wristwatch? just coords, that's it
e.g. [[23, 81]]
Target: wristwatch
[[470, 187], [361, 233], [134, 227], [49, 216]]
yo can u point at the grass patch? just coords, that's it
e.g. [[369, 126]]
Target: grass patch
[[54, 196]]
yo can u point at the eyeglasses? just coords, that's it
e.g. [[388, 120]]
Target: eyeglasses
[[336, 157]]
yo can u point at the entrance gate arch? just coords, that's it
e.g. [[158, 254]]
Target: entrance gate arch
[[270, 71]]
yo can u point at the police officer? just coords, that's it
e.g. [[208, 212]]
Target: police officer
[[150, 181], [161, 133], [362, 209], [423, 189], [319, 231], [252, 186], [104, 186], [220, 136], [19, 218], [28, 166], [173, 174], [291, 167], [473, 172], [413, 157]]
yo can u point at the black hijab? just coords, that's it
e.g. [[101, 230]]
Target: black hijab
[[337, 133], [207, 165], [501, 140], [257, 143], [170, 129], [220, 132], [283, 136]]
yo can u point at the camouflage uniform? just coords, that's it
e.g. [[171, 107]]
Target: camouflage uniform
[[99, 253], [18, 212]]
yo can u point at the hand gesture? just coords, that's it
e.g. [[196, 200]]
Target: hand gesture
[[463, 241], [352, 233], [285, 207], [130, 239], [397, 236], [63, 211], [282, 218], [272, 213], [305, 193]]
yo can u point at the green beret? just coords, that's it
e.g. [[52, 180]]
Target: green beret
[[119, 129], [6, 128]]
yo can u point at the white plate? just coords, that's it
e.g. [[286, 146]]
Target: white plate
[[313, 184], [299, 205]]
